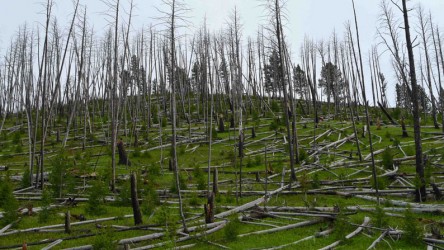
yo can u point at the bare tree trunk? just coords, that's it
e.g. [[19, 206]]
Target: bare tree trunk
[[420, 194], [424, 36], [135, 201], [360, 70]]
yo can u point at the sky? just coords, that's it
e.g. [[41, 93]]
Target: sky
[[316, 19]]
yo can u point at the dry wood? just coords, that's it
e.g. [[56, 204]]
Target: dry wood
[[381, 237], [37, 229], [345, 139], [4, 229], [68, 222], [159, 235], [316, 235], [251, 203], [187, 237], [135, 201], [278, 229], [53, 244], [350, 235]]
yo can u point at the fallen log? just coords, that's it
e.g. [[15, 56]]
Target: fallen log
[[159, 235], [251, 203], [37, 229], [187, 237], [316, 235], [278, 229], [350, 235], [387, 114], [381, 237]]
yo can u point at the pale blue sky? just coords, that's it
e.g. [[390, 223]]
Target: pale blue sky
[[315, 18]]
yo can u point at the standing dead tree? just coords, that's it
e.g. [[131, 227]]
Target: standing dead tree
[[360, 71], [425, 36], [172, 18], [420, 194], [275, 8]]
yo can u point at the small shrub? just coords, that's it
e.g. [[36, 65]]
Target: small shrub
[[8, 201], [45, 213], [124, 198], [412, 231], [18, 149], [104, 241], [257, 160], [231, 230], [341, 225], [194, 200], [387, 159], [316, 183], [200, 178], [229, 197], [150, 201], [388, 135], [96, 197], [249, 163], [147, 155], [164, 122], [275, 106], [302, 154], [382, 182], [136, 153], [16, 139], [381, 219], [26, 182], [182, 184]]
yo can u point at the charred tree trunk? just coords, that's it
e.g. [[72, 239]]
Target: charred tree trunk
[[420, 194], [135, 201], [209, 208]]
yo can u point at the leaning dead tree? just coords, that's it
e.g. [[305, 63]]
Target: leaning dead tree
[[360, 71]]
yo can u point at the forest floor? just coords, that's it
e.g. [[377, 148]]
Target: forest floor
[[332, 201]]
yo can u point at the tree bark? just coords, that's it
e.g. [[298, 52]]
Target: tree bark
[[135, 201], [420, 190]]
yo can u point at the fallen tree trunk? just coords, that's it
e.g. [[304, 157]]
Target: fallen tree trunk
[[350, 235], [387, 114], [291, 226], [251, 203], [316, 235]]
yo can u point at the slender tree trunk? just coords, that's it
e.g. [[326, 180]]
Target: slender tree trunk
[[420, 194]]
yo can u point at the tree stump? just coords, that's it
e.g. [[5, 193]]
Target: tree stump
[[209, 208], [404, 130], [221, 124], [123, 157], [68, 222], [135, 201], [58, 135], [136, 140], [253, 133], [436, 192], [170, 165]]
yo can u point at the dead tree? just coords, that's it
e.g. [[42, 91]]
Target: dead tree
[[175, 15], [424, 28], [135, 201], [123, 156], [360, 71], [420, 194], [275, 8]]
